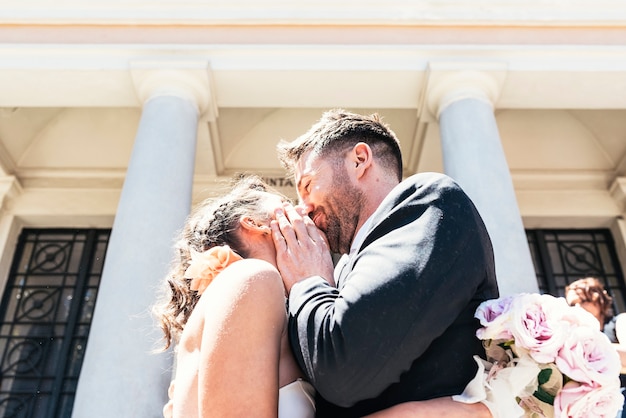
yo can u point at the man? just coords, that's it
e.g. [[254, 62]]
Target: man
[[417, 262]]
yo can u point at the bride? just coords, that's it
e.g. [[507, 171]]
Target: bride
[[232, 347], [223, 306]]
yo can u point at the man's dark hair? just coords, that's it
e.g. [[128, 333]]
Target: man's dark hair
[[338, 131]]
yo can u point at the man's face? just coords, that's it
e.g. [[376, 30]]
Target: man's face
[[331, 198]]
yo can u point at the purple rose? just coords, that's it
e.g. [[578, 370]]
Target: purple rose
[[493, 316]]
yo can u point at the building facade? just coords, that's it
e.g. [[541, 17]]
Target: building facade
[[116, 117]]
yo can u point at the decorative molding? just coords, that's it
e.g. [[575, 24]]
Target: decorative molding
[[449, 81], [189, 79], [10, 188], [618, 192], [478, 12], [37, 178], [560, 181], [310, 75], [7, 164]]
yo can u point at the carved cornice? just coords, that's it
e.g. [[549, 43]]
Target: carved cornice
[[449, 81], [182, 78], [618, 192]]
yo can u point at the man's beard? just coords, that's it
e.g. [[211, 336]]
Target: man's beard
[[342, 216]]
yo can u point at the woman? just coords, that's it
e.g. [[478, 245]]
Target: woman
[[232, 348], [589, 293]]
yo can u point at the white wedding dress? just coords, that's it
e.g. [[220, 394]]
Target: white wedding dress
[[296, 400]]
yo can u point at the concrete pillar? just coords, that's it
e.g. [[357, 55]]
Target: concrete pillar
[[473, 156], [120, 376]]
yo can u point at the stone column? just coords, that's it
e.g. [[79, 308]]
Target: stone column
[[473, 156], [120, 376]]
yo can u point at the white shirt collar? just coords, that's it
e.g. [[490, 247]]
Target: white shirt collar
[[356, 244], [360, 236]]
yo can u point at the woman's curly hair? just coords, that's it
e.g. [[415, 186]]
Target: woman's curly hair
[[213, 222], [590, 289]]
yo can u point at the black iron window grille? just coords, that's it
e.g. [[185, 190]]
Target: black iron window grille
[[563, 256], [45, 315]]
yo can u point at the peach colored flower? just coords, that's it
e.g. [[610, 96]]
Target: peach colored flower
[[206, 265]]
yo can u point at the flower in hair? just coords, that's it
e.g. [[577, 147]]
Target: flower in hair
[[206, 265]]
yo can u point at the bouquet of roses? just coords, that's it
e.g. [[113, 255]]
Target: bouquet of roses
[[543, 359]]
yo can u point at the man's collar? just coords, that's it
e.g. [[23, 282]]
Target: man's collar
[[360, 236]]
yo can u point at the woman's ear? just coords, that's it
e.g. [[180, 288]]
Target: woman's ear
[[251, 225]]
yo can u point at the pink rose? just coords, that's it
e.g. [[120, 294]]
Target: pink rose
[[588, 357], [576, 316], [583, 401], [492, 315], [537, 327]]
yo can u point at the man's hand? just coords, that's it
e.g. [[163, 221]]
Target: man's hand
[[301, 248]]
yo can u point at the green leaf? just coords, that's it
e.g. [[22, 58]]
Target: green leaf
[[544, 396], [544, 375]]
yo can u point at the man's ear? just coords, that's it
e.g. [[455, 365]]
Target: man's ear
[[362, 158]]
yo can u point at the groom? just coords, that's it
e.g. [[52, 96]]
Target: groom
[[394, 321]]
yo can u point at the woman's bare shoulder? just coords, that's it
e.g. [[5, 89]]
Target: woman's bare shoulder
[[249, 276], [251, 269], [246, 288]]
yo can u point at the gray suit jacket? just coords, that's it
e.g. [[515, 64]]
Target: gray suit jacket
[[400, 326]]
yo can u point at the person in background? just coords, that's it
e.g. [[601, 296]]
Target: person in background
[[589, 293]]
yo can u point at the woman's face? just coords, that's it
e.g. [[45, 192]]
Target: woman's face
[[573, 299]]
